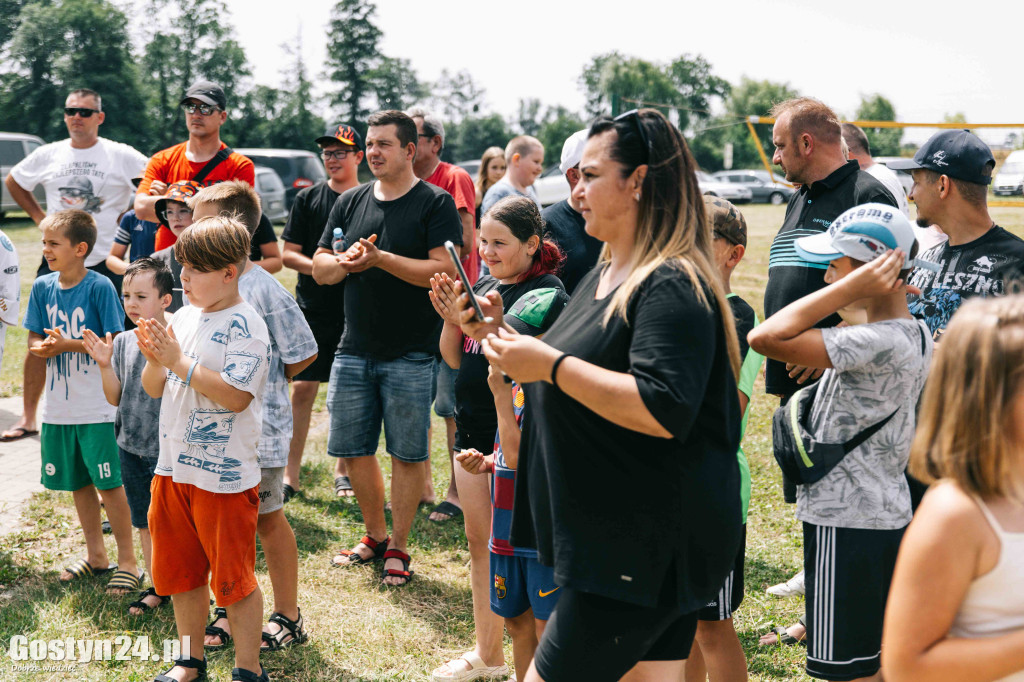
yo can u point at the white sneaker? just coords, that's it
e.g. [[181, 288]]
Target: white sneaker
[[791, 588]]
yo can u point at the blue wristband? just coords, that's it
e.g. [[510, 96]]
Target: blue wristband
[[188, 377]]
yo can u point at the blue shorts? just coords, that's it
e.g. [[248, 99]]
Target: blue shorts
[[520, 584], [137, 476], [444, 390], [365, 392]]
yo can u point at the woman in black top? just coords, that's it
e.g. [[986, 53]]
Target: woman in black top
[[632, 388], [520, 261]]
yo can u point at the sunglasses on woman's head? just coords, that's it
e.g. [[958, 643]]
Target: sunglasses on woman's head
[[634, 116]]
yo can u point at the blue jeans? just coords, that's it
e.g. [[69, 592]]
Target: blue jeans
[[444, 395], [364, 392]]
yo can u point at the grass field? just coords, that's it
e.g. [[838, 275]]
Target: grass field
[[359, 631]]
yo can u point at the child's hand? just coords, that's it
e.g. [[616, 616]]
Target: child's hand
[[500, 387], [444, 295], [161, 342], [474, 462], [51, 346], [101, 350], [880, 277]]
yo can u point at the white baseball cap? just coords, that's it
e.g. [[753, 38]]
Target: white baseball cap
[[572, 150], [863, 233]]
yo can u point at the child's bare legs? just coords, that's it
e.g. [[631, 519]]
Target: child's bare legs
[[282, 556], [523, 631], [246, 618], [87, 504], [146, 540], [32, 390], [716, 650], [475, 496], [303, 397], [120, 518], [190, 610]]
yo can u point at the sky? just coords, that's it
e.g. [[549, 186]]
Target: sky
[[928, 62]]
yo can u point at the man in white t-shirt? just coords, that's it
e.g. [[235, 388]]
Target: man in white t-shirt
[[860, 151], [10, 288], [85, 172]]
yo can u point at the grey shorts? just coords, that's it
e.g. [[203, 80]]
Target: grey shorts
[[271, 489]]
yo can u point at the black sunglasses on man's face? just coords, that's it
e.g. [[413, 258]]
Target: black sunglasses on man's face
[[84, 112]]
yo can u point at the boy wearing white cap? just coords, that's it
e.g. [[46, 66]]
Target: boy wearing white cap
[[876, 365]]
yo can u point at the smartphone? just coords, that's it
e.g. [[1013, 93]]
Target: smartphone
[[454, 255]]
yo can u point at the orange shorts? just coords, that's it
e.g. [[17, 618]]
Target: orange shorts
[[203, 538]]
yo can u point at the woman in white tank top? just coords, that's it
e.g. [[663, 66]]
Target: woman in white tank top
[[956, 607]]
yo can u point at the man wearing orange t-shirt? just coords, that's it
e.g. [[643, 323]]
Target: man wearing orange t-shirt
[[205, 112]]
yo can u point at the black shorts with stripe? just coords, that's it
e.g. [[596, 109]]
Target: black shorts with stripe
[[848, 573], [730, 595]]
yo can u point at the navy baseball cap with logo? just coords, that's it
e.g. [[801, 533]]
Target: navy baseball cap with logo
[[207, 93], [343, 133], [957, 153]]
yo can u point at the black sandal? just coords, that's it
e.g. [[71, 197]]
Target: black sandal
[[288, 493], [142, 605], [354, 559], [290, 634], [198, 664], [243, 675], [211, 629], [342, 485], [395, 573]]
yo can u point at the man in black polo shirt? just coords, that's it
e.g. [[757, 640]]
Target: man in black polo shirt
[[566, 226], [808, 147], [952, 171]]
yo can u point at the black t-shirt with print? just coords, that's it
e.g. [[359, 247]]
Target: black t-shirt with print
[[474, 403], [745, 318], [310, 212], [678, 497], [811, 210], [972, 269], [566, 227], [386, 317]]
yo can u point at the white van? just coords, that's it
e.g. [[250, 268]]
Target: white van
[[1010, 178], [13, 148]]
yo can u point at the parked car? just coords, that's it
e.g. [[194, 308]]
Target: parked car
[[551, 186], [297, 168], [905, 178], [472, 167], [13, 148], [1010, 178], [272, 194], [736, 193], [763, 186]]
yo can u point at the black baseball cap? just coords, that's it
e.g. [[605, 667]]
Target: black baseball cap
[[343, 133], [959, 154], [208, 93], [535, 311]]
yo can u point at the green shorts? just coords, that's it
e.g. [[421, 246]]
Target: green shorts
[[76, 455]]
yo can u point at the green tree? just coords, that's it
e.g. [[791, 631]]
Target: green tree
[[628, 77], [395, 84], [529, 118], [559, 123], [696, 87], [469, 138], [883, 141], [456, 96], [352, 54], [749, 98], [62, 46], [195, 41]]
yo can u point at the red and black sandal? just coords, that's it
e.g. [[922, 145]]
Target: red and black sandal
[[394, 573], [354, 559]]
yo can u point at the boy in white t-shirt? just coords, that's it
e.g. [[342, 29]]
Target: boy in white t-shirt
[[209, 366], [10, 288]]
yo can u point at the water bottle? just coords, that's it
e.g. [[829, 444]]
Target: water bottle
[[338, 242]]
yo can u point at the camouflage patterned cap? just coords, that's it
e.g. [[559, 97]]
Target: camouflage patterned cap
[[725, 220]]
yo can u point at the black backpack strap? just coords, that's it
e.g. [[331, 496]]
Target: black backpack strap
[[857, 440], [220, 156]]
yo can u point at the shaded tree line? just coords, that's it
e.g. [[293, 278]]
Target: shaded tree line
[[49, 47]]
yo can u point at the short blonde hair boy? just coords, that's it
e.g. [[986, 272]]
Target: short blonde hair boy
[[77, 226], [235, 198], [213, 244]]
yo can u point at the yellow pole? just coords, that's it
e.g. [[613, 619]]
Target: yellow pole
[[760, 147], [900, 124]]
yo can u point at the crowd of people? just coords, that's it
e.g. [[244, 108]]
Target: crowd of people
[[596, 339]]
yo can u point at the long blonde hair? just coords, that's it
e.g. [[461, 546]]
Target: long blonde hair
[[966, 416], [482, 183], [671, 227]]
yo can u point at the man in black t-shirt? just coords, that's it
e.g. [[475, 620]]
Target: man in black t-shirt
[[566, 226], [951, 172], [341, 149], [395, 230]]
